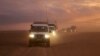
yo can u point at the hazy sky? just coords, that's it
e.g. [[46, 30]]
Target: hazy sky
[[19, 14]]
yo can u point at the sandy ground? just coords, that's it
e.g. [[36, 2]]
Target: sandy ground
[[15, 43]]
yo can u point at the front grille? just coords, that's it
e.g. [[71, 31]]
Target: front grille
[[39, 36]]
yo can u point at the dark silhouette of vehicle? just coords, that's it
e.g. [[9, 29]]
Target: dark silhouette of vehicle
[[71, 29]]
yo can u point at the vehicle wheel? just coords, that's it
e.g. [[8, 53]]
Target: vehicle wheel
[[30, 43], [48, 43]]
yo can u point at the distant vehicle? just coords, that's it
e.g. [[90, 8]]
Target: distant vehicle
[[39, 33], [72, 28]]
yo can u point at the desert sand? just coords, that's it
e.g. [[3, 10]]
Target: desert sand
[[15, 43]]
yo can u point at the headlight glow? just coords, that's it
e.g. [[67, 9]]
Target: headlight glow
[[47, 36], [54, 33], [31, 35]]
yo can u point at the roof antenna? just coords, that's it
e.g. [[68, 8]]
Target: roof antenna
[[47, 14]]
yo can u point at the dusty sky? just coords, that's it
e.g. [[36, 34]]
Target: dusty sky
[[19, 14]]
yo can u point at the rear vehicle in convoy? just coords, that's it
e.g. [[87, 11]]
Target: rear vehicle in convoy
[[39, 33], [52, 29]]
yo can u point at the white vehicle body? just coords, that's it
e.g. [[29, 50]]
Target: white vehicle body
[[39, 33]]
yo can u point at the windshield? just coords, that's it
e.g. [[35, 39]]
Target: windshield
[[51, 29], [39, 28]]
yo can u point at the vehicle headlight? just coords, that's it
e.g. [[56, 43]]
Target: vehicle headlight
[[54, 33], [47, 36], [31, 35]]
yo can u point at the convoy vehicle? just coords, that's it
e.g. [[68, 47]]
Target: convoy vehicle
[[39, 33], [52, 29]]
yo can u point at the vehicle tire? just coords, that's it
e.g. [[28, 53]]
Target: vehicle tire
[[30, 43], [48, 43]]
